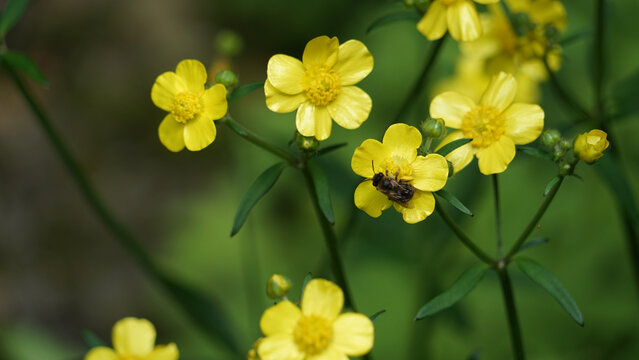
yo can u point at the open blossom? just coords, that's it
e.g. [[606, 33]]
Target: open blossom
[[590, 146], [495, 125], [406, 181], [316, 331], [321, 86], [459, 17]]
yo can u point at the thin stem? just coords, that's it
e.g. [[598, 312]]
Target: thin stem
[[535, 220], [461, 235], [497, 215], [563, 94], [598, 62], [421, 82], [253, 138], [511, 313]]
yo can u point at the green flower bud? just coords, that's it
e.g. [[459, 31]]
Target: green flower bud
[[307, 143], [226, 78], [550, 137], [552, 35], [565, 144], [434, 128], [409, 3], [422, 5], [277, 286], [522, 24], [229, 43]]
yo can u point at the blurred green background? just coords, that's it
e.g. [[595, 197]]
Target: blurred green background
[[62, 272]]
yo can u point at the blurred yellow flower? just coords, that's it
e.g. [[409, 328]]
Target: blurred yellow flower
[[496, 125], [318, 330], [590, 146], [320, 87], [459, 17], [397, 176], [191, 107], [133, 339]]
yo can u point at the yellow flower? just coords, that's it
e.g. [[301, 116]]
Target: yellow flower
[[590, 145], [133, 339], [495, 124], [458, 16], [320, 87], [318, 331], [191, 108], [406, 181]]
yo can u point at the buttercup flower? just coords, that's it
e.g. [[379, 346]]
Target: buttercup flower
[[459, 17], [191, 107], [316, 331], [133, 339], [590, 145], [397, 176], [495, 124], [320, 87]]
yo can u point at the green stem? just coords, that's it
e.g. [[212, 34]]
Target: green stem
[[598, 63], [563, 94], [511, 313], [461, 235], [497, 215], [246, 134], [421, 82], [535, 220]]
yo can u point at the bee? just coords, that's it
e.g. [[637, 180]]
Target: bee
[[395, 189]]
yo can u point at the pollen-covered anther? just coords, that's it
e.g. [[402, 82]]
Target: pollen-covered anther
[[186, 106], [313, 334], [321, 85], [484, 125], [399, 168]]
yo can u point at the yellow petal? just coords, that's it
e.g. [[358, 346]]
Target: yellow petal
[[171, 134], [321, 51], [164, 352], [285, 74], [280, 102], [354, 62], [463, 21], [313, 120], [280, 318], [133, 337], [323, 123], [461, 156], [500, 92], [353, 334], [402, 141], [430, 172], [495, 158], [322, 298], [193, 73], [199, 133], [214, 102], [418, 208], [165, 88], [433, 24], [371, 201], [366, 156], [279, 347], [523, 122], [331, 353], [452, 107], [351, 107], [101, 353]]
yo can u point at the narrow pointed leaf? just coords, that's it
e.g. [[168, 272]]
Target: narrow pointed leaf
[[532, 243], [258, 189], [577, 176], [245, 89], [321, 190], [548, 281], [551, 184], [23, 63], [625, 96], [376, 315], [91, 339], [11, 14], [393, 18], [454, 202], [446, 149], [533, 151], [464, 284], [569, 39], [330, 148]]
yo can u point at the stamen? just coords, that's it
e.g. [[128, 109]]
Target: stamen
[[313, 334], [321, 85], [186, 106], [484, 125]]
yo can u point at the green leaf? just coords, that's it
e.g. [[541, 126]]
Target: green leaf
[[392, 18], [454, 201], [245, 89], [91, 339], [551, 184], [22, 62], [11, 14], [236, 127], [464, 284], [307, 278], [258, 189], [569, 39], [376, 315], [330, 148], [533, 151], [547, 281], [321, 190], [532, 243], [446, 149], [625, 95], [610, 169]]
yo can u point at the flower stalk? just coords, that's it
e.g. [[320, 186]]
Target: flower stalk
[[511, 313], [497, 214]]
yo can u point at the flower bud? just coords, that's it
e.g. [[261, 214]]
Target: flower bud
[[590, 146], [277, 286], [307, 143], [434, 128], [226, 78], [422, 5], [522, 24], [550, 137], [229, 43]]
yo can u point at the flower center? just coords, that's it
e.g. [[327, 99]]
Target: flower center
[[313, 334], [186, 106], [321, 85], [484, 125], [398, 168]]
